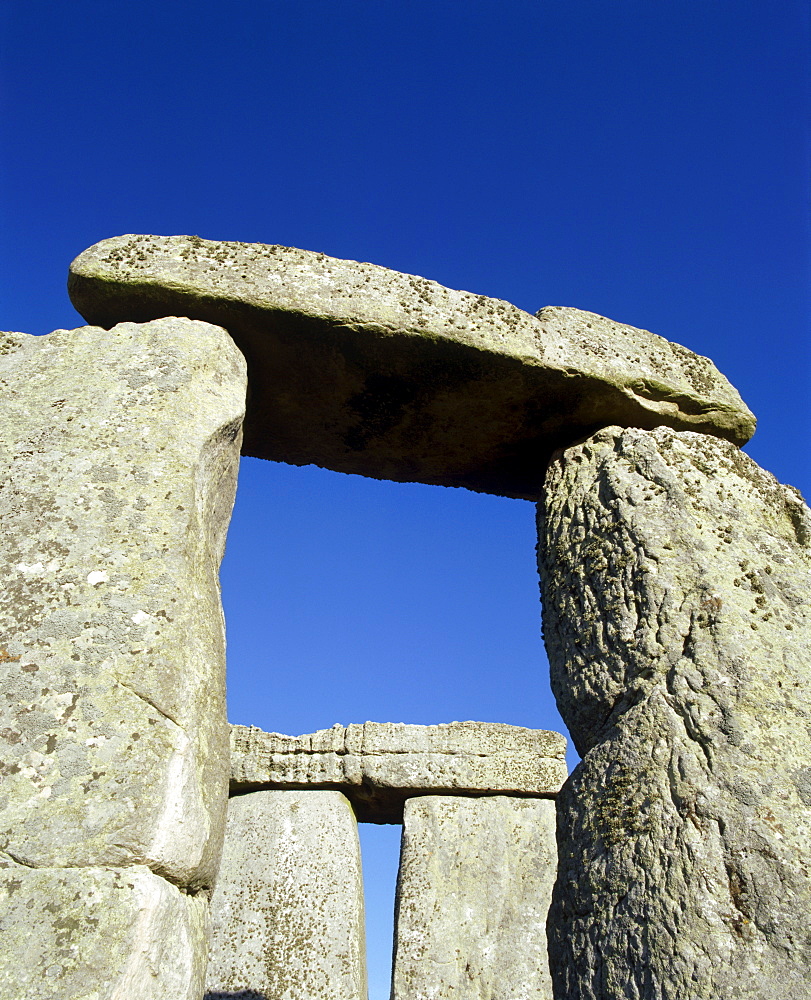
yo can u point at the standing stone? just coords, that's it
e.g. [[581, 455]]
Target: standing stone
[[88, 933], [676, 577], [472, 898], [118, 458], [288, 908]]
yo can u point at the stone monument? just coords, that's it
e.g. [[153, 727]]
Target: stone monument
[[119, 460], [476, 801], [675, 578]]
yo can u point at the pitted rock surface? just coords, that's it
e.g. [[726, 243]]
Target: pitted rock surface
[[676, 576], [380, 765], [361, 369], [287, 912], [118, 459], [473, 893]]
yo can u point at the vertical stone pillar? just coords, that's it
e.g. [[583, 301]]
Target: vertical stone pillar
[[676, 576], [288, 918], [473, 892], [119, 452]]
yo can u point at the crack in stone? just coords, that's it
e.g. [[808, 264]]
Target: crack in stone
[[149, 701]]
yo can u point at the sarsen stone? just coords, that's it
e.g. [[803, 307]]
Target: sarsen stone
[[676, 576], [378, 765], [361, 369]]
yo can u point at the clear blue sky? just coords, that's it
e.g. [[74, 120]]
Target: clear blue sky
[[647, 161]]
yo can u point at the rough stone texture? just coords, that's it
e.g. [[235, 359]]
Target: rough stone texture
[[288, 908], [99, 934], [676, 578], [118, 459], [366, 370], [472, 897], [380, 765]]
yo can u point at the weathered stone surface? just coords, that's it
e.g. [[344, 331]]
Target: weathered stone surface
[[676, 578], [366, 370], [118, 460], [380, 765], [288, 908], [99, 934], [472, 897]]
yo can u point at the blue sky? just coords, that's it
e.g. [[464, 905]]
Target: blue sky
[[646, 161]]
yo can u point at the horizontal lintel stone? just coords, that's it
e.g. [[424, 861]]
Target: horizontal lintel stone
[[361, 369], [380, 765]]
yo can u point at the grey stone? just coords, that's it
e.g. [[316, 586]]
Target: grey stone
[[118, 458], [472, 898], [99, 934], [380, 765], [676, 576], [287, 912], [366, 370]]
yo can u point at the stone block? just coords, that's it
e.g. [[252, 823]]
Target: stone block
[[361, 369], [118, 459], [676, 576], [380, 765], [99, 934], [472, 897], [288, 908]]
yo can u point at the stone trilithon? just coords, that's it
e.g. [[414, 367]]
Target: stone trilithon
[[675, 577]]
